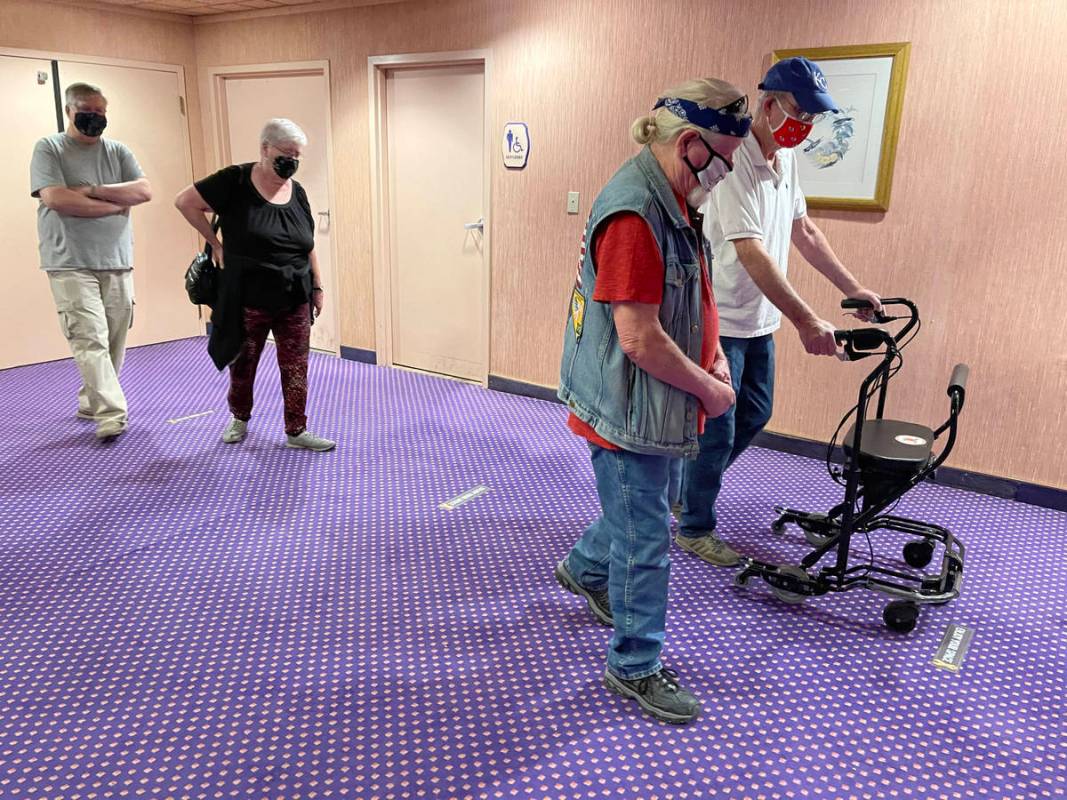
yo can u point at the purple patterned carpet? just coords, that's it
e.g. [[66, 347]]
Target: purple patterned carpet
[[181, 618]]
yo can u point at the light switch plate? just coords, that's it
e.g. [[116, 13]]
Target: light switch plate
[[572, 202]]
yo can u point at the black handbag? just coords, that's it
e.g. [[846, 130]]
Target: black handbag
[[202, 277]]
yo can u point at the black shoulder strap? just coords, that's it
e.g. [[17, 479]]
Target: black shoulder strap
[[215, 228]]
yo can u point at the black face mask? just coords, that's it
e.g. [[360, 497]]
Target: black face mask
[[90, 123], [285, 166]]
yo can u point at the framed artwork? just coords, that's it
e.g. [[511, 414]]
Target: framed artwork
[[847, 161]]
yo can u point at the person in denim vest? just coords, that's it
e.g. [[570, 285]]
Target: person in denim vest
[[750, 221], [642, 370]]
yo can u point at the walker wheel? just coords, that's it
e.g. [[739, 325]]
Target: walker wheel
[[791, 597], [918, 554], [741, 579], [778, 526], [900, 616]]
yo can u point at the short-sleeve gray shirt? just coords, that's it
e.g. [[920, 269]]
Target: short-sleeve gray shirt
[[67, 242]]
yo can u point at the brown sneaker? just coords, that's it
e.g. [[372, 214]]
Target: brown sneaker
[[710, 548]]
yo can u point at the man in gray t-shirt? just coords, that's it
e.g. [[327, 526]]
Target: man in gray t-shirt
[[87, 185]]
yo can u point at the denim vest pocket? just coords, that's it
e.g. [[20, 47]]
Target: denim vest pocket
[[636, 399], [674, 297]]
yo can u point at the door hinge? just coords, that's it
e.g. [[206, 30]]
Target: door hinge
[[181, 105]]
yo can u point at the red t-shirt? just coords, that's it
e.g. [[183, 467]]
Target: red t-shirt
[[630, 270]]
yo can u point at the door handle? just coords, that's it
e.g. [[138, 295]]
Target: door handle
[[475, 226]]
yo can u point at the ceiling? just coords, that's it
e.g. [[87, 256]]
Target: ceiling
[[200, 8]]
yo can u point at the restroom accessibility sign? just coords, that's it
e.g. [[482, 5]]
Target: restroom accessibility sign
[[516, 145]]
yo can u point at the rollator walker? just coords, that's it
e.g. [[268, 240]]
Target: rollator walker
[[883, 460]]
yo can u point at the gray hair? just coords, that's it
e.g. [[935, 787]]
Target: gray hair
[[773, 94], [80, 92], [282, 131], [663, 126]]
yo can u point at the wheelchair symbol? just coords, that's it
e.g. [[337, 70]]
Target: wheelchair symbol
[[515, 145]]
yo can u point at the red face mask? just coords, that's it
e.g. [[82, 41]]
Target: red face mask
[[792, 131]]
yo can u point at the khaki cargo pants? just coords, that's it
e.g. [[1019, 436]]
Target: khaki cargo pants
[[95, 313]]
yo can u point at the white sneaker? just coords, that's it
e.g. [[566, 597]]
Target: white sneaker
[[235, 431], [309, 441]]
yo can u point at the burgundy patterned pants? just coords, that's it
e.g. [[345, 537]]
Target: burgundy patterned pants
[[292, 339]]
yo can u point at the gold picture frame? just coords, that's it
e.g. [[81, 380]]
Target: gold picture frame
[[872, 190]]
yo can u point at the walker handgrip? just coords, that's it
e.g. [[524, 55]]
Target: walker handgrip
[[868, 338], [958, 382], [865, 305], [851, 302], [859, 342]]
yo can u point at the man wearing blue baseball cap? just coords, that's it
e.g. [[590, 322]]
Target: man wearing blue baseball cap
[[750, 221]]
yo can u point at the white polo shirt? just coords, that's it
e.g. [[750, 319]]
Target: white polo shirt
[[752, 202]]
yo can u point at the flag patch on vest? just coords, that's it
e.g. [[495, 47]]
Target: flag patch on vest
[[581, 263], [577, 312]]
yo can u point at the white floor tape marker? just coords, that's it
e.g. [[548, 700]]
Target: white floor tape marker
[[953, 647], [191, 416], [466, 497]]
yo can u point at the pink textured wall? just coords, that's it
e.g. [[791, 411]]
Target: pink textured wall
[[975, 233]]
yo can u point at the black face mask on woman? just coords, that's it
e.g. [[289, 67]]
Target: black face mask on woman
[[285, 166], [90, 123]]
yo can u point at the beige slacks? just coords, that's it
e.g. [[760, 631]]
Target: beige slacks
[[95, 313]]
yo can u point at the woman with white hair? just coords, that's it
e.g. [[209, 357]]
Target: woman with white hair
[[643, 369], [270, 277]]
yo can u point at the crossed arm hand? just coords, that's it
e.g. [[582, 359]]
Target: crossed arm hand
[[97, 201]]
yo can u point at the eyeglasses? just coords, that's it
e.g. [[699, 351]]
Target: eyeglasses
[[799, 115]]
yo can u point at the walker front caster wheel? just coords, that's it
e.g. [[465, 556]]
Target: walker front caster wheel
[[900, 616], [786, 596], [918, 554]]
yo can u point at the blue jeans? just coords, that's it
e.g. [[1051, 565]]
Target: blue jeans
[[725, 438], [627, 549], [674, 492]]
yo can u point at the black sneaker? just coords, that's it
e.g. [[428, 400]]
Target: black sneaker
[[659, 694], [597, 599]]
